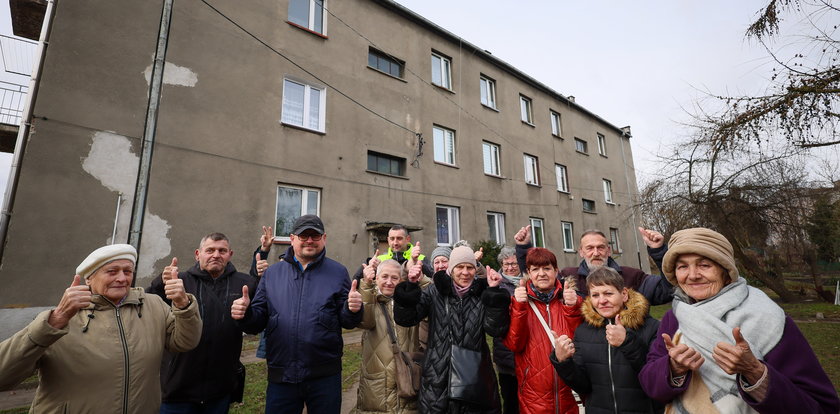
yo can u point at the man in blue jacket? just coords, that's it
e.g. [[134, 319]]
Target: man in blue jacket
[[302, 302]]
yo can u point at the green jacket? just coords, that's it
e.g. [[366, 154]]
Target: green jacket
[[406, 255]]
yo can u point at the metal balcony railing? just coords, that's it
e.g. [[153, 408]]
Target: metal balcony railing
[[18, 57], [12, 99]]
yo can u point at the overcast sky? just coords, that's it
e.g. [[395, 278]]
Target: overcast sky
[[639, 63]]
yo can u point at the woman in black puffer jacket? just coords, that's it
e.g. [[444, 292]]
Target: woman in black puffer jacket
[[609, 348], [461, 310]]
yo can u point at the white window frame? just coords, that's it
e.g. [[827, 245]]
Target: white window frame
[[615, 242], [537, 223], [532, 169], [306, 119], [556, 127], [443, 145], [304, 207], [490, 154], [487, 89], [444, 65], [562, 174], [526, 110], [453, 221], [496, 224], [311, 24], [568, 236], [584, 144], [608, 192], [602, 145]]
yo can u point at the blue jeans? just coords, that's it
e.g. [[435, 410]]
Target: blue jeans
[[217, 406], [261, 346], [321, 396]]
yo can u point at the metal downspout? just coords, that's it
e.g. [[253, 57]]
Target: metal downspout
[[26, 123], [155, 84], [633, 222]]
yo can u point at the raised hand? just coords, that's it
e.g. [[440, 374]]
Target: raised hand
[[520, 294], [479, 254], [616, 333], [240, 306], [266, 239], [564, 348], [354, 298], [652, 238], [415, 272], [415, 252], [570, 297], [523, 236], [683, 358], [738, 358], [75, 298], [493, 277], [173, 287], [369, 273], [374, 261], [261, 265]]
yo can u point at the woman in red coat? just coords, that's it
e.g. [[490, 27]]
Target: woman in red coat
[[541, 308]]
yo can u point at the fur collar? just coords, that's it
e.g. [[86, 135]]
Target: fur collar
[[632, 316], [443, 283]]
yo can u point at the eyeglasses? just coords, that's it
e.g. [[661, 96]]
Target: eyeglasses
[[312, 237], [509, 264]]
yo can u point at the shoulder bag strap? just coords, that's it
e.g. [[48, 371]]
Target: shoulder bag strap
[[388, 322], [542, 321]]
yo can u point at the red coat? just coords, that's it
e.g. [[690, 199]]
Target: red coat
[[540, 387]]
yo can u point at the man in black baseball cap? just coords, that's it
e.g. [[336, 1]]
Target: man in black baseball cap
[[308, 222]]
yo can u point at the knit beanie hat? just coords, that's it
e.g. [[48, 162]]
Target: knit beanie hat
[[702, 241], [461, 254], [441, 251], [103, 255]]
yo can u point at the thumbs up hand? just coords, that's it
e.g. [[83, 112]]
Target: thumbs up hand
[[354, 298], [369, 272], [523, 236], [415, 252], [738, 358], [520, 294], [374, 261], [564, 348], [173, 287], [75, 298], [616, 333], [493, 277], [240, 306], [415, 272], [170, 271], [261, 265], [478, 254], [683, 357], [570, 297]]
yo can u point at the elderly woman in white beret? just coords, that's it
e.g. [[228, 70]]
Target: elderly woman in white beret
[[726, 347], [100, 349]]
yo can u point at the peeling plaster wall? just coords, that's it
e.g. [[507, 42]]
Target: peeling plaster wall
[[174, 75]]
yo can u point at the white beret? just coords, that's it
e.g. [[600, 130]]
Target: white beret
[[103, 255]]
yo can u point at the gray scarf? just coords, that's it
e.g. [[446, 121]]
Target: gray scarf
[[708, 322]]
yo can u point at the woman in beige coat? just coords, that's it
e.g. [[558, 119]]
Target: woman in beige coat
[[100, 349], [377, 382]]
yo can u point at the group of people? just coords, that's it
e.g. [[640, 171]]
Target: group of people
[[174, 347]]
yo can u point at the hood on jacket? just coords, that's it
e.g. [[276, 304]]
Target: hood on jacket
[[196, 271], [632, 316]]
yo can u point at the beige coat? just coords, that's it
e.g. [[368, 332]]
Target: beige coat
[[377, 378], [106, 360]]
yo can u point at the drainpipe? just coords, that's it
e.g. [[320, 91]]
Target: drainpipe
[[138, 210], [25, 126], [625, 132]]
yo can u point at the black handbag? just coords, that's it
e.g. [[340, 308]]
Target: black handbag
[[470, 375]]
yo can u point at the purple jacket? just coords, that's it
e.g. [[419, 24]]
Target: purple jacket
[[797, 380]]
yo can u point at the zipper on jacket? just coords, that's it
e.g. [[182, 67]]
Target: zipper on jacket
[[125, 359], [553, 372], [612, 380]]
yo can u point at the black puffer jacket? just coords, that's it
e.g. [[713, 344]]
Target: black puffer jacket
[[452, 320], [208, 371], [606, 376]]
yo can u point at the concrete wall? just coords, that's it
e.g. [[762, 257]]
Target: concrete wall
[[221, 150]]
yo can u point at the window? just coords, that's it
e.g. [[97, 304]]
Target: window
[[568, 237], [488, 91], [491, 158], [581, 146], [614, 243], [608, 191], [562, 178], [385, 63], [448, 228], [444, 145], [293, 202], [537, 233], [308, 14], [588, 206], [441, 71], [303, 105], [525, 110], [532, 170], [555, 124], [386, 164], [496, 226], [602, 145]]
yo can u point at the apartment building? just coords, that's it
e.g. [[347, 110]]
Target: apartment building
[[360, 111]]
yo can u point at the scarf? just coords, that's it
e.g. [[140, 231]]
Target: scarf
[[708, 322], [543, 297], [512, 279], [461, 291]]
